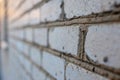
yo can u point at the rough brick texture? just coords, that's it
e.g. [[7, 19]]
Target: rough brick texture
[[64, 39]]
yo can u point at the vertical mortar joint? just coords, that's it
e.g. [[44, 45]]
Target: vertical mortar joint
[[82, 36]]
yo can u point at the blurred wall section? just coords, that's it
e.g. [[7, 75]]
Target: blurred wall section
[[62, 39]]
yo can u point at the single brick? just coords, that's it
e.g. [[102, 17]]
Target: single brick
[[20, 34], [74, 72], [50, 11], [21, 58], [20, 45], [26, 49], [65, 39], [40, 36], [86, 7], [35, 16], [28, 65], [28, 4], [36, 55], [25, 20], [54, 65], [29, 34], [37, 74], [103, 44]]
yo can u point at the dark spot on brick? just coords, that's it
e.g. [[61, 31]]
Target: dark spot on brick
[[87, 72], [109, 3], [77, 67], [93, 69], [52, 29], [72, 68], [96, 29], [106, 74], [116, 5], [63, 48], [105, 59], [56, 74], [61, 6], [95, 55], [60, 72]]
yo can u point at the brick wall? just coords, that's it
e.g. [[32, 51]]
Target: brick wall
[[64, 39]]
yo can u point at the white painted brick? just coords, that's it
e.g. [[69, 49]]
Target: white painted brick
[[26, 49], [65, 39], [40, 36], [36, 55], [54, 65], [12, 5], [35, 16], [36, 1], [23, 20], [85, 7], [29, 34], [74, 72], [21, 34], [27, 5], [19, 45], [103, 41], [28, 65], [37, 74], [48, 78], [27, 77], [21, 58], [51, 11]]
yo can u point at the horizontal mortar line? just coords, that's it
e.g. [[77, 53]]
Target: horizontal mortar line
[[37, 5], [24, 69], [35, 64], [94, 20], [72, 59], [20, 4]]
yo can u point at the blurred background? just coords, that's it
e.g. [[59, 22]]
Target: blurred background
[[59, 39]]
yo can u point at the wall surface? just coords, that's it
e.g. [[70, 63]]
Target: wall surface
[[64, 39]]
